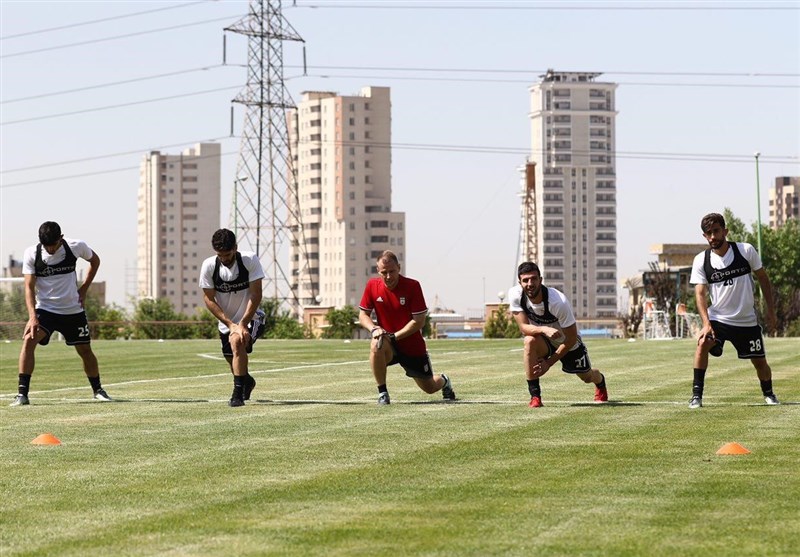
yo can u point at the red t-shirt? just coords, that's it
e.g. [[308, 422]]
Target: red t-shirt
[[395, 308]]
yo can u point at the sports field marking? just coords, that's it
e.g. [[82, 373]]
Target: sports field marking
[[183, 378]]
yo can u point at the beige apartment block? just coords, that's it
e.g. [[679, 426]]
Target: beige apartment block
[[784, 200], [178, 212], [341, 147], [575, 225]]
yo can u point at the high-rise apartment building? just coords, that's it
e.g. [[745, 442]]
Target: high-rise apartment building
[[784, 200], [342, 154], [178, 212], [575, 218]]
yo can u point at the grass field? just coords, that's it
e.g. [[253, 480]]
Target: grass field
[[312, 466]]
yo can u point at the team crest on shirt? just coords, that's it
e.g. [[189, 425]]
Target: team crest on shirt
[[402, 300]]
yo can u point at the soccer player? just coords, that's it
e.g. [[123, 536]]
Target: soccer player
[[725, 271], [400, 308], [55, 303], [231, 283], [545, 318]]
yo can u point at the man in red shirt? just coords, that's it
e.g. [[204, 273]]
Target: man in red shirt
[[400, 309]]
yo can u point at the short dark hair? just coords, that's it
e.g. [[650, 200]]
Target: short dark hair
[[49, 233], [527, 267], [223, 240], [710, 220], [387, 256]]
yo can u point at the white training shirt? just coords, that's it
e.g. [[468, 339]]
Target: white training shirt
[[732, 301], [557, 303], [57, 293], [233, 304]]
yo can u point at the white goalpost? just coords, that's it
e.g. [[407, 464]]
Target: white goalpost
[[655, 323]]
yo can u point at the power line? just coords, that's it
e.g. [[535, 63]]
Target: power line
[[409, 5], [454, 148], [103, 20], [341, 76], [112, 84], [543, 71], [528, 81], [438, 70], [110, 155], [115, 37], [121, 105]]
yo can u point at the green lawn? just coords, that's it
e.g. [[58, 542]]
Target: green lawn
[[312, 466]]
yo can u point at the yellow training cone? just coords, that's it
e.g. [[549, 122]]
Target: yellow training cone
[[732, 448], [46, 439]]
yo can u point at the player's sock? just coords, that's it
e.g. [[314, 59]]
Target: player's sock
[[382, 389], [238, 386], [534, 388], [766, 388], [95, 383], [24, 384], [602, 383], [699, 382]]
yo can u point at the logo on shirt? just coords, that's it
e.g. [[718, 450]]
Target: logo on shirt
[[402, 300], [380, 299]]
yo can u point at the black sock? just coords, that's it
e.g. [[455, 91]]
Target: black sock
[[95, 383], [238, 386], [534, 388], [24, 384], [699, 382], [602, 383], [382, 389], [766, 387]]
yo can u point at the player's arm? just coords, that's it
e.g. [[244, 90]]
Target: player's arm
[[766, 292], [529, 329], [254, 293], [210, 299], [415, 324], [94, 265], [365, 320], [32, 326], [701, 297], [570, 338]]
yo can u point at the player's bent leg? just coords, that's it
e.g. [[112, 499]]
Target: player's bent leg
[[535, 347], [430, 384]]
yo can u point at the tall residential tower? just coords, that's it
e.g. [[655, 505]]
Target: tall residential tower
[[342, 150], [178, 212], [573, 192], [784, 200]]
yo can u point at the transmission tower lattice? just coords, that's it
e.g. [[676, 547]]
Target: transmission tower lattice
[[527, 249], [264, 213]]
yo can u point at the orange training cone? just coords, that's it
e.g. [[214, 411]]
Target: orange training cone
[[732, 448], [46, 439]]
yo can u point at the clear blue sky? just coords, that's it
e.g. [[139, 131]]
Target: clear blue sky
[[702, 86]]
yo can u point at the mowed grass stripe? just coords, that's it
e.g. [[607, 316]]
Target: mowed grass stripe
[[291, 477]]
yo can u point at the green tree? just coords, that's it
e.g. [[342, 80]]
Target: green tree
[[113, 323], [13, 310], [280, 323], [341, 322], [206, 324], [501, 324], [780, 254], [155, 318]]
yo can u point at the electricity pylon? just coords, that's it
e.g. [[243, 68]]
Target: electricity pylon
[[265, 203]]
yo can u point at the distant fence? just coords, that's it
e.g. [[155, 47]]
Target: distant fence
[[109, 330]]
